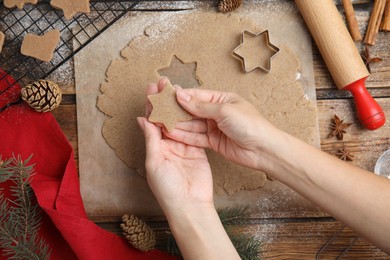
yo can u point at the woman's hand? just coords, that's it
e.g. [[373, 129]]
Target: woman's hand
[[233, 127], [178, 174], [229, 125]]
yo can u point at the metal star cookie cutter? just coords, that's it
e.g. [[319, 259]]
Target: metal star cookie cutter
[[272, 47]]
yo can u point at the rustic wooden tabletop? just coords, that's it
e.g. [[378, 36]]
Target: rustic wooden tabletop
[[297, 238]]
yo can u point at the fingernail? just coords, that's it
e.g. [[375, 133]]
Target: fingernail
[[182, 95], [141, 122], [164, 80], [177, 87], [150, 89]]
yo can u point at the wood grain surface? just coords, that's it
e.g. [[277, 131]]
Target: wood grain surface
[[292, 238]]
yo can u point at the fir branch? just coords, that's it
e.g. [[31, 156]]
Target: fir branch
[[20, 217], [5, 172], [172, 246], [233, 216], [247, 246]]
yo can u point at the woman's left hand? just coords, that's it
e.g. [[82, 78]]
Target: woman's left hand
[[179, 175]]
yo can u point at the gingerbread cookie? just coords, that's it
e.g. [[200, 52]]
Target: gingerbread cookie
[[18, 3], [166, 109], [2, 37], [71, 7], [41, 47]]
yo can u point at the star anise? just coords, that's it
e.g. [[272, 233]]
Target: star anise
[[338, 128], [368, 59], [345, 154]]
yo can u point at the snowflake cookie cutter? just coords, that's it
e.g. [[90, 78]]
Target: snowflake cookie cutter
[[270, 46]]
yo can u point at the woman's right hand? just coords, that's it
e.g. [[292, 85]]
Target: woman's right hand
[[228, 124], [233, 127]]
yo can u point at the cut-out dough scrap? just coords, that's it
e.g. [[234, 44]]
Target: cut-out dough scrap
[[166, 109], [41, 47], [2, 38], [180, 72], [256, 51], [71, 7], [18, 3], [277, 95]]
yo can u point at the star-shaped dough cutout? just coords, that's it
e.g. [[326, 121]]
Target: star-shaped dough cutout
[[166, 109], [182, 73], [255, 51], [71, 7]]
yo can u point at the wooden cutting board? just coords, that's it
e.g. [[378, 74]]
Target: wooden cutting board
[[109, 188]]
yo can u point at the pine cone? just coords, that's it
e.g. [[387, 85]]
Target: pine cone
[[138, 233], [42, 95], [229, 5]]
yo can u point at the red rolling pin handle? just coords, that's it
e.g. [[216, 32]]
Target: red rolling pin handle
[[368, 110]]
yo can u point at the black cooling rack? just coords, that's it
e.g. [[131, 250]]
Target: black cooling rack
[[76, 33]]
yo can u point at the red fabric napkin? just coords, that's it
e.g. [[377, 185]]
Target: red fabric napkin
[[65, 225]]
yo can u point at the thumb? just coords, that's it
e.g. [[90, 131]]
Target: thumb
[[152, 137], [198, 107]]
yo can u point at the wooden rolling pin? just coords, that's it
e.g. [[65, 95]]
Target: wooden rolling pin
[[341, 57]]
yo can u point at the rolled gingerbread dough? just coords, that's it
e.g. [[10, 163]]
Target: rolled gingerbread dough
[[207, 39]]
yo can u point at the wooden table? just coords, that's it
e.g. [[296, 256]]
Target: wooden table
[[298, 238]]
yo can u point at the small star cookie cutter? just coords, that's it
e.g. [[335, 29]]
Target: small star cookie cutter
[[272, 47]]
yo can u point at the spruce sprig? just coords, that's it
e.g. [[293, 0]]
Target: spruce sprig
[[247, 246], [233, 216], [5, 173], [19, 215]]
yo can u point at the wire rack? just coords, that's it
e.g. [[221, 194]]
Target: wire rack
[[76, 33]]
